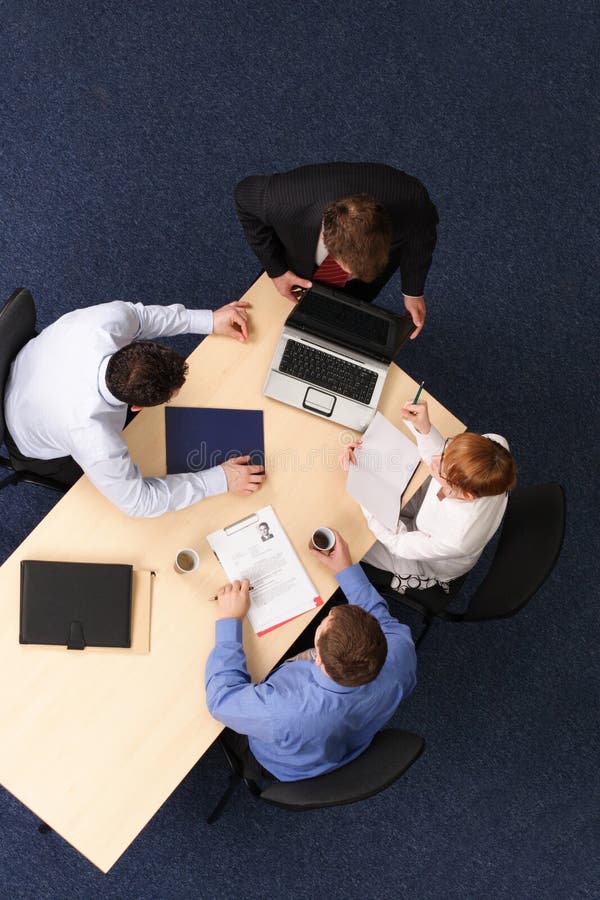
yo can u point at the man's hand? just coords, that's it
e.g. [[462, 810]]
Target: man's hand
[[339, 558], [284, 284], [232, 320], [348, 458], [418, 311], [242, 478], [233, 600], [418, 415]]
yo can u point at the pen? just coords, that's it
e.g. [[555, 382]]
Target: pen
[[416, 400], [251, 588]]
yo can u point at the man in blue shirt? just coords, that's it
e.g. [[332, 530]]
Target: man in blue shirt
[[321, 709]]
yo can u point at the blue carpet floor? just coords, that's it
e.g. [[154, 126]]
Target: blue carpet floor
[[124, 127]]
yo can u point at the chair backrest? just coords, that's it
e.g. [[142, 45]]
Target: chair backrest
[[388, 756], [17, 326], [528, 548]]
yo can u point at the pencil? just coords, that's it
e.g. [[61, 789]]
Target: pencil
[[416, 400]]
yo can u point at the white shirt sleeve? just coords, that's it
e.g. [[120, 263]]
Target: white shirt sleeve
[[415, 545], [409, 544], [120, 481], [167, 321], [428, 445], [111, 469]]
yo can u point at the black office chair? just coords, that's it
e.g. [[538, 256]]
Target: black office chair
[[386, 759], [17, 326], [528, 547]]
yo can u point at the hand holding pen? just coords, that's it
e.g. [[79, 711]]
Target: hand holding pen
[[227, 587], [417, 413], [234, 599]]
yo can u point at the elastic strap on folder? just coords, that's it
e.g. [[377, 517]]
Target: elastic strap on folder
[[76, 639]]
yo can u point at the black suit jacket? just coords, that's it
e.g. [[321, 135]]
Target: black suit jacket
[[281, 216]]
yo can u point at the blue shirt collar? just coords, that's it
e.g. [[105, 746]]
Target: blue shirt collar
[[328, 683]]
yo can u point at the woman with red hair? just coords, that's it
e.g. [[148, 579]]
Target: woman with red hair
[[442, 532]]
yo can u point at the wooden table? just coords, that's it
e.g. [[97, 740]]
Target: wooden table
[[95, 743]]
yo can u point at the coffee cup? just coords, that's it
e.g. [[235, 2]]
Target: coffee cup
[[323, 540], [186, 560]]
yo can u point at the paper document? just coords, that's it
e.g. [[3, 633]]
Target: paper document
[[258, 548], [385, 464]]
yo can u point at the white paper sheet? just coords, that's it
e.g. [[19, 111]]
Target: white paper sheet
[[258, 548], [385, 464]]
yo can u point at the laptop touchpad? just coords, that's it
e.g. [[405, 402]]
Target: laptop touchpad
[[319, 402]]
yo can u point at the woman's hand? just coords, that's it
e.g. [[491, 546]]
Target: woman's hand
[[347, 458], [417, 415]]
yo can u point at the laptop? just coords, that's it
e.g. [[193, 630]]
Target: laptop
[[334, 354]]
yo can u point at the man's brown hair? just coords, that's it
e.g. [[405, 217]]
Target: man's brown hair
[[357, 232], [478, 465], [353, 648], [145, 373]]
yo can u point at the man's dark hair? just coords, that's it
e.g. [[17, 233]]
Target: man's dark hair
[[357, 231], [145, 373], [353, 648]]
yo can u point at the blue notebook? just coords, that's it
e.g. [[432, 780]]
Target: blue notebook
[[200, 438]]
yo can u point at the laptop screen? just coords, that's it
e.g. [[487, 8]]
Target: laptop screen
[[345, 318], [351, 323]]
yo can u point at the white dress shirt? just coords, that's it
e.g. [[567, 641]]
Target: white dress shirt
[[449, 535], [321, 253], [57, 403]]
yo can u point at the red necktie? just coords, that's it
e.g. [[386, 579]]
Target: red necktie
[[331, 273]]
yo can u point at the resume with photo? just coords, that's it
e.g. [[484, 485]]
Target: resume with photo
[[257, 548]]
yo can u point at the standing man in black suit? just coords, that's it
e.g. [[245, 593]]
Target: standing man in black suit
[[350, 225]]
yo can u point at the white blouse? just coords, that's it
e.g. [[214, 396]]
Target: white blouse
[[449, 534]]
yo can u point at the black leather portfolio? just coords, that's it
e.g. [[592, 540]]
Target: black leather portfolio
[[75, 604]]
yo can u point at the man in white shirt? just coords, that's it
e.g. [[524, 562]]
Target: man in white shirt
[[69, 389]]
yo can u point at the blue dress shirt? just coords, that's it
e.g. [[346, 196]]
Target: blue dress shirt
[[300, 723]]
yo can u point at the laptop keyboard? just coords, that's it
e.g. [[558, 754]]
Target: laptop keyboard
[[328, 371]]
